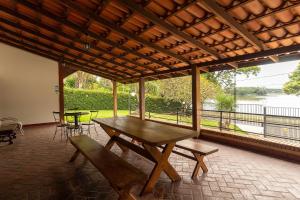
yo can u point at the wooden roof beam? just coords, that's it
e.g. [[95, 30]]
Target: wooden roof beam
[[261, 54], [76, 28], [11, 33], [212, 5], [49, 55], [15, 25], [88, 14], [156, 20]]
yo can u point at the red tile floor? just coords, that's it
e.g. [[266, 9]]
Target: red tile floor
[[36, 167]]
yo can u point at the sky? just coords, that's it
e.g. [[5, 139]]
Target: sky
[[270, 76]]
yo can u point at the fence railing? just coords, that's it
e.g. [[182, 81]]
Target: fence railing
[[276, 122]]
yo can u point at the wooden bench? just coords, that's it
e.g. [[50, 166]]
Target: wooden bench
[[120, 174], [198, 150]]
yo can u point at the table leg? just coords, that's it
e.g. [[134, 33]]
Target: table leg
[[162, 164], [76, 120], [111, 142]]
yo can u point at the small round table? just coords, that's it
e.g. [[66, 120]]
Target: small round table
[[76, 115]]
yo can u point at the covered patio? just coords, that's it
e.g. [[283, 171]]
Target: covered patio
[[35, 168], [129, 41]]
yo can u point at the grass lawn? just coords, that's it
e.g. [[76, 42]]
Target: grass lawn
[[165, 117], [101, 114], [188, 120]]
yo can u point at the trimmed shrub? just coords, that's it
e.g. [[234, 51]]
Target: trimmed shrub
[[100, 100]]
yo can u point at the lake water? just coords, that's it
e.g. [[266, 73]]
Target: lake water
[[276, 100]]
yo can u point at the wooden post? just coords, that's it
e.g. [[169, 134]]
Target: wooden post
[[63, 72], [196, 98], [115, 98], [61, 90], [142, 98]]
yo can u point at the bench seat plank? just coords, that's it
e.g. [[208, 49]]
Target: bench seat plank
[[117, 171], [198, 150], [196, 147]]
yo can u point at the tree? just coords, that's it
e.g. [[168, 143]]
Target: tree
[[293, 85], [180, 89], [225, 78], [81, 80], [225, 102]]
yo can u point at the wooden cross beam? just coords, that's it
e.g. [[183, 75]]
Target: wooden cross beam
[[87, 13], [212, 5], [75, 27]]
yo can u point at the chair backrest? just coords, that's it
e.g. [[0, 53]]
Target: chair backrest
[[93, 114], [56, 116]]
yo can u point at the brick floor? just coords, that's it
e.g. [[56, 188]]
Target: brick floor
[[35, 167]]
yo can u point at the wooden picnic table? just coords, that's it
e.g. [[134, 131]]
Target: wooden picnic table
[[151, 135]]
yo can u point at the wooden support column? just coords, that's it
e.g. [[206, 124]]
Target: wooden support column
[[115, 97], [142, 98], [61, 90], [196, 98], [63, 72]]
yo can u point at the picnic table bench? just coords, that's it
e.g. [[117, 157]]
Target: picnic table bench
[[198, 150], [119, 173]]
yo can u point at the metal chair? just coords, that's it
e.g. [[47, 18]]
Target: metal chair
[[93, 115], [59, 124]]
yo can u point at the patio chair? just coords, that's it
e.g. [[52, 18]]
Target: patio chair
[[60, 124], [93, 115], [12, 120]]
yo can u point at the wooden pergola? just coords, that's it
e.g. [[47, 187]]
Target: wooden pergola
[[131, 41]]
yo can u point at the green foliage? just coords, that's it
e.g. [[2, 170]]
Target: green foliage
[[225, 79], [293, 85], [180, 89], [103, 100], [70, 82], [225, 102]]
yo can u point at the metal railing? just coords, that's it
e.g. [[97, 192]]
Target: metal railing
[[276, 122]]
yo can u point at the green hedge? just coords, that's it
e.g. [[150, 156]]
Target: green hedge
[[99, 100]]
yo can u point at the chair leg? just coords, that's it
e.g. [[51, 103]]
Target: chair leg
[[67, 134], [62, 129], [95, 128], [55, 133]]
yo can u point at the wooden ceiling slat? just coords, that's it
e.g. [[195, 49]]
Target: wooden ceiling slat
[[56, 31], [120, 30], [38, 34], [220, 12], [51, 48], [122, 44], [49, 55], [78, 28], [156, 20]]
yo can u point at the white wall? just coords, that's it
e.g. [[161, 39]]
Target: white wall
[[27, 83]]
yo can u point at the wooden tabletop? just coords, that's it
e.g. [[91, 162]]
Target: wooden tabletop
[[74, 113], [152, 133]]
